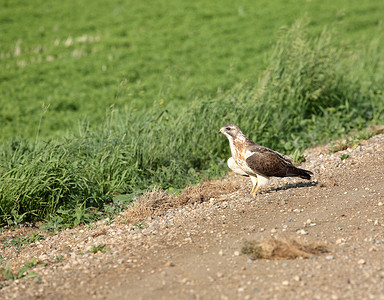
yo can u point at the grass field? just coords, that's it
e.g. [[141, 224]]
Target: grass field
[[109, 98], [80, 57]]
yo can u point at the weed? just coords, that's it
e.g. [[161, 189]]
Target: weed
[[352, 142], [8, 274], [344, 156], [140, 225], [59, 258], [18, 242], [97, 248]]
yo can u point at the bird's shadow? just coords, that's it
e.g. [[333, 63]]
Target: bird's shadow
[[293, 186]]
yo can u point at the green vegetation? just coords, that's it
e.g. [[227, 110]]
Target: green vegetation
[[97, 248], [79, 57], [311, 90], [19, 241], [344, 156], [23, 271]]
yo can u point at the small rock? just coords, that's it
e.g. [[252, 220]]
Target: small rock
[[285, 282], [302, 232], [296, 210], [329, 257], [221, 252], [380, 203], [273, 230], [236, 253], [169, 264], [262, 229], [296, 278], [361, 262]]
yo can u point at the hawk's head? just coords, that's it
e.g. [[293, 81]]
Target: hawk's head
[[231, 131]]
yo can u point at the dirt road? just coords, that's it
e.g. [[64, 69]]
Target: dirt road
[[194, 249]]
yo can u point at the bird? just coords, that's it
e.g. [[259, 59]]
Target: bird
[[258, 162]]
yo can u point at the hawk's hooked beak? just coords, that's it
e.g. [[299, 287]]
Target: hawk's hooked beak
[[220, 131]]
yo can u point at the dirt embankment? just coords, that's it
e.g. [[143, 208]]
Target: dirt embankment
[[191, 247]]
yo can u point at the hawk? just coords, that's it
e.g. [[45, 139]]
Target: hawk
[[258, 162]]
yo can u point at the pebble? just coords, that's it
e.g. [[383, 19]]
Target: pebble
[[169, 264], [302, 232], [329, 257], [285, 282], [361, 261]]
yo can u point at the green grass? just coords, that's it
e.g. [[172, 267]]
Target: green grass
[[80, 57], [23, 271], [310, 92], [19, 241], [98, 248]]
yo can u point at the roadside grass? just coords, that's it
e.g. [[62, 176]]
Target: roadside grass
[[311, 92], [20, 241], [352, 141], [80, 57], [24, 271], [98, 248]]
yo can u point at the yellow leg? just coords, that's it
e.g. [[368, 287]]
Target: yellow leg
[[254, 190], [255, 187]]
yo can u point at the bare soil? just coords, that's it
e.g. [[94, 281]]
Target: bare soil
[[197, 245]]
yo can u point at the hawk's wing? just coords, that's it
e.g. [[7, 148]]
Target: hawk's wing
[[267, 162]]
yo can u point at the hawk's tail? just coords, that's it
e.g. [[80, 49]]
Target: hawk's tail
[[297, 172]]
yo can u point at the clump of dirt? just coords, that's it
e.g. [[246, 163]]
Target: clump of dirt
[[157, 202], [275, 248]]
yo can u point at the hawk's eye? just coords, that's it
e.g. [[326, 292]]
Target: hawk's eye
[[228, 128]]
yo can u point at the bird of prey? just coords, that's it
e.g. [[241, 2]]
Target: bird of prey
[[258, 162]]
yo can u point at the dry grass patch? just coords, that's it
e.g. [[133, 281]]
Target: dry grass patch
[[275, 248], [157, 201]]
